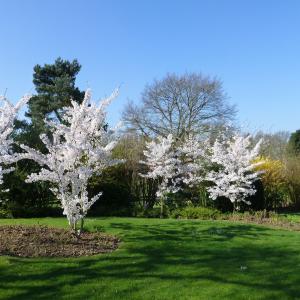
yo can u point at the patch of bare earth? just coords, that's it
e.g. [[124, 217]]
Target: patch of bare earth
[[43, 241]]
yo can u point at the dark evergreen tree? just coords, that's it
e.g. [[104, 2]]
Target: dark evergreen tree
[[55, 87]]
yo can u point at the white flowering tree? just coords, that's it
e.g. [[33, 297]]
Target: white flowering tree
[[77, 148], [193, 160], [175, 166], [8, 113], [235, 175], [163, 166]]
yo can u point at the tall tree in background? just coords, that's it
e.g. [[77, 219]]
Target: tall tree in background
[[55, 86], [179, 105]]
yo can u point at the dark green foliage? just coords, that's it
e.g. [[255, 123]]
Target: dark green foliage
[[154, 212], [25, 133], [258, 200], [124, 193], [223, 204], [116, 197], [55, 86], [191, 212], [4, 213], [294, 143], [142, 190], [27, 199]]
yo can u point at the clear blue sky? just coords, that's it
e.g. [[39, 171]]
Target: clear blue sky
[[252, 46]]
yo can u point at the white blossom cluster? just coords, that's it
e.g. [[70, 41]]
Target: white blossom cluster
[[163, 165], [234, 177], [78, 147], [231, 161], [193, 159], [8, 113], [174, 166]]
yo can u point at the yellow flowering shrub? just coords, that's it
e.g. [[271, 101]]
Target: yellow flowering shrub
[[274, 182]]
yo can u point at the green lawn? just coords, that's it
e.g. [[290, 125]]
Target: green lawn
[[164, 259]]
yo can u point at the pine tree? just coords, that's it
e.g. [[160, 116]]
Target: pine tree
[[55, 86]]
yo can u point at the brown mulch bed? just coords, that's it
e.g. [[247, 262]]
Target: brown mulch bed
[[43, 241]]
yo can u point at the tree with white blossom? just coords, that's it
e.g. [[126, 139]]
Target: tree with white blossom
[[175, 166], [8, 114], [78, 147], [235, 175], [163, 166], [193, 153]]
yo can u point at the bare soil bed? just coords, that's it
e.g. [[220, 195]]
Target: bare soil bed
[[43, 241]]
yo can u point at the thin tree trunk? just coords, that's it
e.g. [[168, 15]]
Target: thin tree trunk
[[234, 206], [74, 229], [81, 225]]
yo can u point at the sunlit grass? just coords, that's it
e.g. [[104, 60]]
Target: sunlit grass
[[164, 259]]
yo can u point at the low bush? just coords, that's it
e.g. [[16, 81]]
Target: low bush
[[198, 212], [153, 213], [17, 211], [4, 214]]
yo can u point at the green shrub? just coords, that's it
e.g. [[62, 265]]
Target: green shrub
[[191, 212], [153, 213], [17, 211], [5, 214], [116, 198]]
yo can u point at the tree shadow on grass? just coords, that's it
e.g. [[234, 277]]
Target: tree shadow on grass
[[242, 256]]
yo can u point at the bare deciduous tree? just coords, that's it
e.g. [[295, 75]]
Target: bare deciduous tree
[[274, 145], [179, 105]]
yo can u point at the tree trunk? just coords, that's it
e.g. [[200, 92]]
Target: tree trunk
[[234, 206], [161, 208], [77, 232]]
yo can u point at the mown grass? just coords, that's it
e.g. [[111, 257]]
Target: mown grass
[[164, 259]]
